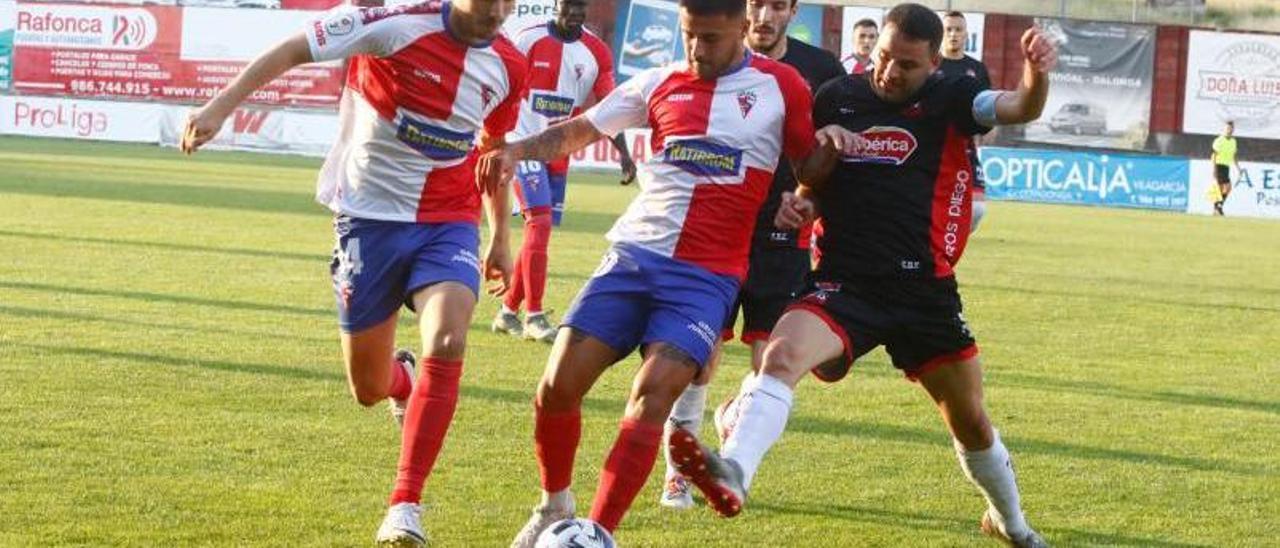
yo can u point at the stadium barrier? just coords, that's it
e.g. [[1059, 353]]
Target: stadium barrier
[[1256, 190], [1086, 178]]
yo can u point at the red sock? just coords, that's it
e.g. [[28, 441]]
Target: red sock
[[555, 438], [425, 424], [515, 295], [533, 254], [401, 385], [626, 471]]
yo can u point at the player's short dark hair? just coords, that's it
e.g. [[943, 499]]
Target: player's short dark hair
[[917, 23], [1231, 122], [730, 8], [954, 13], [866, 22]]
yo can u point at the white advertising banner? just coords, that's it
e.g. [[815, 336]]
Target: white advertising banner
[[262, 130], [1255, 190], [219, 34], [1234, 77], [527, 14], [976, 23], [78, 119]]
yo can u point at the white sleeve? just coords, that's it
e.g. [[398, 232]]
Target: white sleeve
[[342, 32], [623, 108]]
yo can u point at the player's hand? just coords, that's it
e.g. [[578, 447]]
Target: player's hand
[[794, 212], [497, 268], [1039, 50], [628, 171], [202, 125], [495, 169], [834, 139]]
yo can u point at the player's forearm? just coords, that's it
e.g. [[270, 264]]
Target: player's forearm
[[812, 172], [557, 141], [1026, 103], [290, 53], [620, 142], [498, 210]]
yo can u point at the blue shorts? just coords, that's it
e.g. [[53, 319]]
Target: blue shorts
[[539, 189], [378, 265], [639, 297]]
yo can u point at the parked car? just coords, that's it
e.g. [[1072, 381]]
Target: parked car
[[1079, 118]]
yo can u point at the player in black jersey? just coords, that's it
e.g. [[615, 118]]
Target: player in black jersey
[[896, 216], [955, 64], [779, 258]]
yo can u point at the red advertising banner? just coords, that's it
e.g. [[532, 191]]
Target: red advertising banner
[[138, 52]]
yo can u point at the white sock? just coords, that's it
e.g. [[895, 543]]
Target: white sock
[[532, 314], [762, 416], [506, 310], [992, 471], [688, 411], [560, 500]]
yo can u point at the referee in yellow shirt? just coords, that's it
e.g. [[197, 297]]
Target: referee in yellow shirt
[[1223, 157]]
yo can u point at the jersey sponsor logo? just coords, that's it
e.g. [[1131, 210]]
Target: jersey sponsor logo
[[679, 97], [434, 142], [746, 101], [883, 145], [551, 106], [426, 74], [318, 30], [703, 158], [341, 26]]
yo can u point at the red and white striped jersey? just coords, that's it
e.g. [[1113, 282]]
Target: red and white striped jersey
[[715, 146], [415, 100], [563, 75]]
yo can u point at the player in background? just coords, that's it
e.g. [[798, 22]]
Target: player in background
[[896, 213], [1222, 158], [865, 34], [569, 68], [779, 259], [956, 64], [425, 82], [720, 122]]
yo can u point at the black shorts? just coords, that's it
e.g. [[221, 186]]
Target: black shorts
[[920, 322], [1222, 174], [774, 278]]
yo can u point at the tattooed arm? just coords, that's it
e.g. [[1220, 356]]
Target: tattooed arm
[[498, 165]]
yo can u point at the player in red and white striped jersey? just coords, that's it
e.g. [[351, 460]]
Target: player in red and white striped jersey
[[721, 123], [425, 82], [569, 69]]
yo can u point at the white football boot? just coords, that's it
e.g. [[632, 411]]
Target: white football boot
[[543, 515], [538, 328], [506, 322], [996, 531], [402, 528], [676, 493]]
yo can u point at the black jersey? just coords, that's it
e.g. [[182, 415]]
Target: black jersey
[[900, 205], [968, 67], [816, 66]]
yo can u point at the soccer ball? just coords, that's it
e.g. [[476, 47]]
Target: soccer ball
[[575, 533]]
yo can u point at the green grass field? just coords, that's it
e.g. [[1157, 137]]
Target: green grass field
[[170, 376]]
